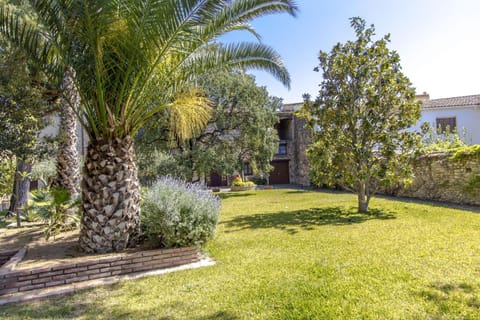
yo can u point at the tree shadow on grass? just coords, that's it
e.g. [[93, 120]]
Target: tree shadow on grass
[[226, 195], [17, 238], [451, 299], [292, 221], [432, 203], [89, 304]]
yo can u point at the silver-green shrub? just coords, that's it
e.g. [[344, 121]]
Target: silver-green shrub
[[176, 213]]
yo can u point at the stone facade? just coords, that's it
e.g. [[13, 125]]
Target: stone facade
[[294, 139], [440, 177]]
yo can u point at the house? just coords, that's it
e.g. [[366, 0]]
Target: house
[[458, 113], [290, 164]]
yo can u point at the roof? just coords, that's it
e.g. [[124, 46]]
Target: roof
[[473, 100], [464, 101]]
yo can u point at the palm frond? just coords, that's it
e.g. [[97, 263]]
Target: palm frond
[[243, 55], [188, 115], [28, 36], [133, 59]]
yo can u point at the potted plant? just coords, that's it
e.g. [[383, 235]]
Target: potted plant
[[239, 185]]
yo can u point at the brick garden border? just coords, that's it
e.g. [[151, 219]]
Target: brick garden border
[[22, 281], [5, 256]]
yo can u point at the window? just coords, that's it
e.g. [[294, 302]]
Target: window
[[446, 124], [284, 128], [282, 148], [247, 169]]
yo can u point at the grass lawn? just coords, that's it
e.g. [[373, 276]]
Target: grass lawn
[[289, 254]]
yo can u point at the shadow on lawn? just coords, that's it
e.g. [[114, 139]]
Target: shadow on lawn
[[89, 304], [451, 299], [290, 221], [226, 195]]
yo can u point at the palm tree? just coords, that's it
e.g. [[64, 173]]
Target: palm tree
[[68, 164], [134, 59]]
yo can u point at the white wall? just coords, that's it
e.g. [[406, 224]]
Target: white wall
[[467, 117], [52, 131]]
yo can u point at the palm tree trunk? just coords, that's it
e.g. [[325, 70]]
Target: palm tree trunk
[[68, 166], [111, 195]]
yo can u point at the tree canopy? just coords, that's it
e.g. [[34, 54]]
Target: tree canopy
[[24, 106], [240, 131], [360, 116], [131, 60]]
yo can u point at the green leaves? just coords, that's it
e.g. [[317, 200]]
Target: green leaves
[[240, 130], [361, 114], [132, 58], [23, 107], [57, 209]]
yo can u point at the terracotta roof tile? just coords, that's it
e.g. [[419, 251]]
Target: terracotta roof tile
[[473, 100]]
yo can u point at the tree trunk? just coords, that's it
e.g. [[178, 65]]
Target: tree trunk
[[68, 166], [111, 195], [363, 199], [21, 187]]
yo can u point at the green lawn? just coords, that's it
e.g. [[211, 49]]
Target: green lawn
[[287, 254]]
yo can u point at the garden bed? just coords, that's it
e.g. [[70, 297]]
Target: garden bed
[[89, 268], [42, 264]]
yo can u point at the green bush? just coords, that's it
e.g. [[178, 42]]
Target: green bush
[[177, 214], [259, 180], [437, 141], [155, 163], [7, 175], [44, 171], [243, 184], [56, 208], [466, 152]]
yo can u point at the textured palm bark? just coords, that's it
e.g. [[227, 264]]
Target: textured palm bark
[[68, 165], [111, 195]]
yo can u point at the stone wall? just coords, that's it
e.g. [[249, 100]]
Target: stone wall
[[440, 177], [14, 281], [300, 168]]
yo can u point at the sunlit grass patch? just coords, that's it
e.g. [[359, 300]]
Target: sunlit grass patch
[[292, 254]]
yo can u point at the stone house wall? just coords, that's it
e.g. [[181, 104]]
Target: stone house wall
[[440, 177], [296, 137], [300, 168]]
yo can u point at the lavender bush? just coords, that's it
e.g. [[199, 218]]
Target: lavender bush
[[176, 213]]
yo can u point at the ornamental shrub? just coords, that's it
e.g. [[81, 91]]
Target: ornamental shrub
[[237, 181], [243, 183], [438, 141], [176, 213]]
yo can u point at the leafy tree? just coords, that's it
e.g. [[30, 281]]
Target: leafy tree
[[132, 60], [23, 107], [7, 173], [38, 48], [359, 119], [240, 131]]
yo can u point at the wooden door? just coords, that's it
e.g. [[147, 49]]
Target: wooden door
[[280, 173]]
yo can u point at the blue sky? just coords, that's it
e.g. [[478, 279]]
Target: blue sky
[[438, 42]]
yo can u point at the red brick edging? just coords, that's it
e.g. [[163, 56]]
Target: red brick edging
[[95, 268]]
